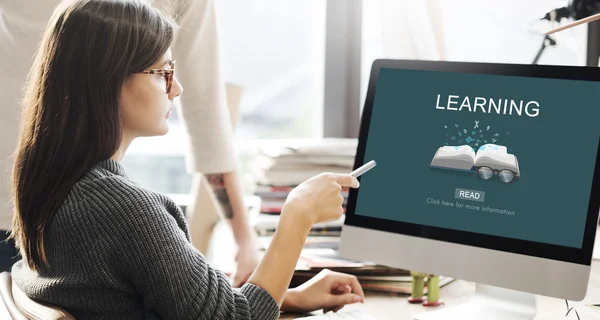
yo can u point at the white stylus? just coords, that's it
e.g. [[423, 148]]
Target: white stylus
[[364, 168]]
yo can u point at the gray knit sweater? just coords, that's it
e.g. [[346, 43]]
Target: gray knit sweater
[[119, 251]]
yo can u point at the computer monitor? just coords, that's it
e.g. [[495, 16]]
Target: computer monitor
[[485, 172]]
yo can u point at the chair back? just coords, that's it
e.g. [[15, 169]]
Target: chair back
[[20, 307]]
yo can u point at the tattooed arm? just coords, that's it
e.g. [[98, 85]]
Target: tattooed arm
[[229, 194], [228, 191], [217, 182]]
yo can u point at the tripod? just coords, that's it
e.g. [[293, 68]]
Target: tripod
[[577, 10], [548, 41]]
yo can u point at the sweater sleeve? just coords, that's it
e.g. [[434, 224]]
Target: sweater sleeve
[[173, 278], [203, 105]]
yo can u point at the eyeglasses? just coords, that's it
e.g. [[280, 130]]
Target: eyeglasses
[[504, 175], [167, 73]]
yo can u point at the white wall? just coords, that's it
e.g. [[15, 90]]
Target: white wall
[[499, 31], [466, 30]]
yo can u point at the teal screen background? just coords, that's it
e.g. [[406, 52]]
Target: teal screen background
[[556, 152]]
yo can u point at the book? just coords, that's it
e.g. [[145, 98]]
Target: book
[[265, 225], [397, 287], [309, 146], [288, 162], [465, 158], [281, 192], [291, 176], [311, 242], [272, 161], [321, 258]]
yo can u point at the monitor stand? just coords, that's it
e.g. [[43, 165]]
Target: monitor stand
[[489, 303]]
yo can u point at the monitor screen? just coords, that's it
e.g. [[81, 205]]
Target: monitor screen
[[497, 155]]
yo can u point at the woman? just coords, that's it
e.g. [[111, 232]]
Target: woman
[[97, 244]]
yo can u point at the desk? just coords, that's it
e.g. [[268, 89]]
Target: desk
[[396, 307]]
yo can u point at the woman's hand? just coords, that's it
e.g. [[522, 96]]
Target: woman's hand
[[328, 290], [319, 199]]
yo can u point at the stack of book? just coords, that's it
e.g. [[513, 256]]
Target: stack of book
[[285, 163], [322, 253], [278, 166]]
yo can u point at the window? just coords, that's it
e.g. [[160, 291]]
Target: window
[[274, 50], [158, 163]]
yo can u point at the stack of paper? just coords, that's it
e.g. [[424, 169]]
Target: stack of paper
[[285, 163], [278, 166]]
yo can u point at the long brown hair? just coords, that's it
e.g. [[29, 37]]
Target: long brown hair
[[71, 108]]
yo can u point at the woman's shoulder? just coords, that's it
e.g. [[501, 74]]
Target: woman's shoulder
[[110, 190], [107, 204]]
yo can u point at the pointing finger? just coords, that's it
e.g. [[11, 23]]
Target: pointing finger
[[346, 180]]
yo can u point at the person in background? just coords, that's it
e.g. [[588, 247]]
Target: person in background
[[206, 117], [97, 244], [203, 109]]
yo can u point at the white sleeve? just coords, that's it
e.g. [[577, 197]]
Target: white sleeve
[[203, 104]]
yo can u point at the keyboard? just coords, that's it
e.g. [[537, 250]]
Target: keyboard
[[342, 315]]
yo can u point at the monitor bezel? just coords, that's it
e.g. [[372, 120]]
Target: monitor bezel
[[581, 256]]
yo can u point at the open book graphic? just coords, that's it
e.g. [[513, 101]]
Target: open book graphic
[[464, 158]]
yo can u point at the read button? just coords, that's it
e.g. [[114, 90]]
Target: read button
[[473, 195]]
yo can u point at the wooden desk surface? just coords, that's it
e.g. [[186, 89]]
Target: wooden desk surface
[[393, 307], [384, 307]]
